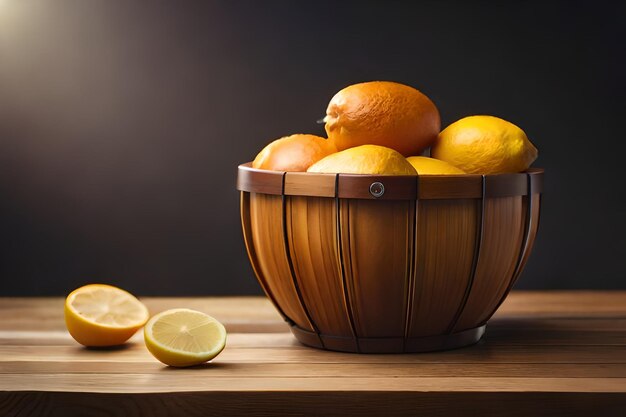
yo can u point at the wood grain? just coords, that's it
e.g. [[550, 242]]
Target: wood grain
[[268, 240], [164, 382], [532, 234], [545, 353], [328, 370], [493, 353], [377, 244], [502, 234], [315, 254], [248, 238], [310, 184], [606, 309], [443, 227], [269, 403]]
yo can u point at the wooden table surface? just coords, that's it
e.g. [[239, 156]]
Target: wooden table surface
[[544, 353]]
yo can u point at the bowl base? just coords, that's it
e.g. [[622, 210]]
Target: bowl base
[[389, 344]]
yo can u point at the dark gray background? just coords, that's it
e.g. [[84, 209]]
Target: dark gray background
[[122, 123]]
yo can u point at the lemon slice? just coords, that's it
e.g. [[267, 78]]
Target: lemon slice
[[103, 315], [183, 337]]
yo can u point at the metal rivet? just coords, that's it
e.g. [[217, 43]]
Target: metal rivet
[[377, 189]]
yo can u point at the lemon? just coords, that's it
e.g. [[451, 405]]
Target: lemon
[[103, 315], [365, 159], [484, 145], [182, 337], [431, 166]]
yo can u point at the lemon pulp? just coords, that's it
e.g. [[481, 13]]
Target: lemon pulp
[[106, 306], [183, 337]]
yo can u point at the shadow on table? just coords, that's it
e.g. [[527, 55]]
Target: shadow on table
[[555, 331], [201, 367], [116, 348]]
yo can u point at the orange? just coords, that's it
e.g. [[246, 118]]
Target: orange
[[382, 113], [365, 159], [103, 315], [485, 145], [293, 153], [431, 166]]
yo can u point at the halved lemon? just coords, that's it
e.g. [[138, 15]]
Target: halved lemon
[[182, 337], [103, 315]]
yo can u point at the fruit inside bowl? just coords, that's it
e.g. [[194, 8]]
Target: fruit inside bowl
[[378, 248]]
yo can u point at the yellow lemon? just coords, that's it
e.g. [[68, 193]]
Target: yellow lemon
[[431, 166], [484, 145], [103, 315], [365, 159], [183, 337]]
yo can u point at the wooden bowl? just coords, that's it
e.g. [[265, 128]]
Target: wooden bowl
[[381, 264]]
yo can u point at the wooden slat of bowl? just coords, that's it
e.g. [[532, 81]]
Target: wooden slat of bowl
[[450, 187], [268, 240], [310, 184], [531, 219], [503, 229], [314, 251], [377, 243], [532, 234], [444, 227], [252, 255], [259, 180], [506, 185]]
